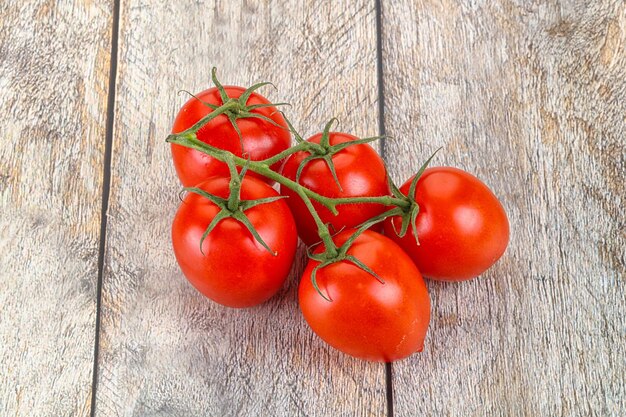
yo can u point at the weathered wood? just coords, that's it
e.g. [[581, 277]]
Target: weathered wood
[[54, 65], [532, 98], [165, 349]]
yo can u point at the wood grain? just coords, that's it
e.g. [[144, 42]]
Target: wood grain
[[530, 96], [54, 64], [165, 349]]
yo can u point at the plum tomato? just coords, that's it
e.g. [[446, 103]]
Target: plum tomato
[[233, 268], [461, 225], [361, 173], [261, 138], [365, 317]]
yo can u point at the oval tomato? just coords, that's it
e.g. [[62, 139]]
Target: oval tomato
[[361, 173], [235, 269], [261, 139], [366, 318], [461, 225]]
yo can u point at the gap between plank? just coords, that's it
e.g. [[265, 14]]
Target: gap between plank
[[389, 385], [106, 189], [381, 130], [379, 75]]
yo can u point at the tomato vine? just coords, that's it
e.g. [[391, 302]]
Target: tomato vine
[[403, 206]]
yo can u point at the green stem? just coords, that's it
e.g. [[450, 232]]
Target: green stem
[[234, 185], [190, 140], [229, 105], [322, 229], [302, 146], [383, 199]]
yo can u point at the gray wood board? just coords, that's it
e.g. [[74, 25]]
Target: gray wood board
[[164, 348], [54, 67], [531, 97]]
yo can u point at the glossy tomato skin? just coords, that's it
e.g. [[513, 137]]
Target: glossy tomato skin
[[261, 139], [461, 226], [235, 270], [361, 172], [368, 319]]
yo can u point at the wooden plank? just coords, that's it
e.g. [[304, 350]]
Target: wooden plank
[[531, 97], [54, 67], [165, 349]]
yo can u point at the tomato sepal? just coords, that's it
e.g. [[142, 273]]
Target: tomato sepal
[[232, 104], [325, 151], [340, 254], [234, 207], [409, 214]]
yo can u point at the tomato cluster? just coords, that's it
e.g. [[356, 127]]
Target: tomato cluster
[[369, 242]]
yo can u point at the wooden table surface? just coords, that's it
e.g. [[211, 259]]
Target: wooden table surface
[[95, 316]]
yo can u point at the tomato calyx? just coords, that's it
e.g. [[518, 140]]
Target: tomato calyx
[[235, 108], [234, 207], [324, 150], [341, 256], [408, 214]]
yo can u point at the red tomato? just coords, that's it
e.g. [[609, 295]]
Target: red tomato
[[361, 173], [461, 225], [235, 270], [261, 139], [368, 319]]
